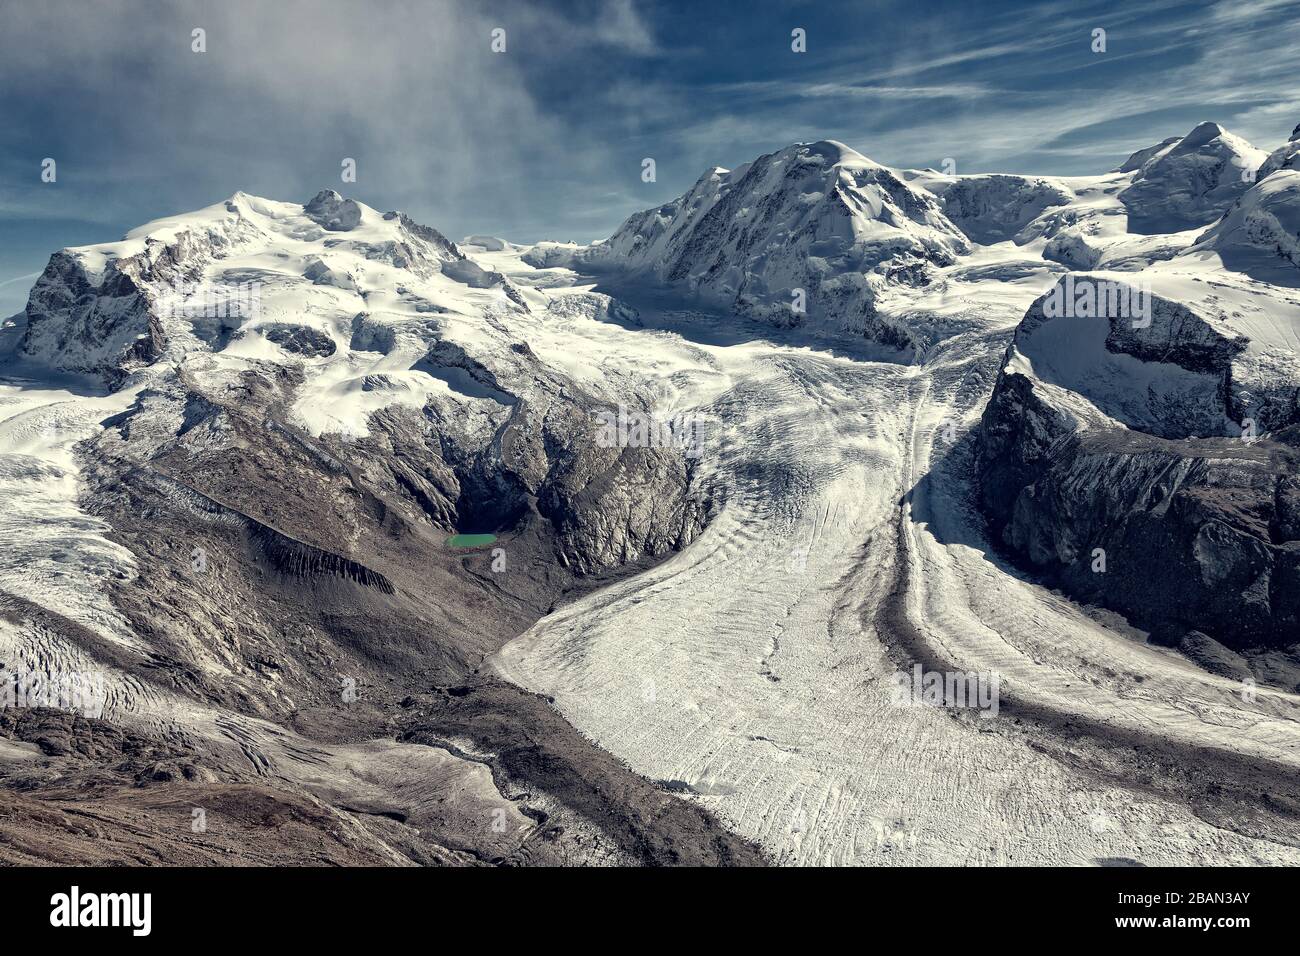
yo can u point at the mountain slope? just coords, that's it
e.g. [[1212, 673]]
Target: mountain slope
[[295, 428]]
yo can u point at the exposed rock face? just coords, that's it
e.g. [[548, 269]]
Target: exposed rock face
[[1099, 435], [996, 208], [107, 323], [1195, 535], [333, 212], [300, 339], [321, 274], [106, 311], [814, 217]]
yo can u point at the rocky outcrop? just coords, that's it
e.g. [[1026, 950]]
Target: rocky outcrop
[[1178, 536], [995, 208], [299, 339], [1111, 462], [332, 212], [94, 323], [107, 313]]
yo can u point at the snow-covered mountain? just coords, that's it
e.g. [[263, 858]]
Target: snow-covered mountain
[[1189, 182], [813, 234], [819, 237], [1210, 357], [371, 312], [334, 507], [1260, 234], [1284, 157], [279, 449], [171, 286]]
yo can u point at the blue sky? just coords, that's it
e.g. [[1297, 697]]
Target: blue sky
[[546, 139]]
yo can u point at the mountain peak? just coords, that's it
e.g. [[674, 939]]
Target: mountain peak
[[829, 152], [1191, 183], [332, 212], [1201, 134], [835, 231]]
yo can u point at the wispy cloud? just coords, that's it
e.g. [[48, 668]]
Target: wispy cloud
[[547, 138], [27, 278], [771, 89]]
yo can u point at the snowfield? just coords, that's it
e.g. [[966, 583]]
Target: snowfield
[[753, 670], [55, 553]]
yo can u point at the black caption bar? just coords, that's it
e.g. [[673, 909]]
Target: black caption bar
[[134, 907]]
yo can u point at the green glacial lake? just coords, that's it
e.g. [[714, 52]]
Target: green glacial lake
[[470, 540]]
